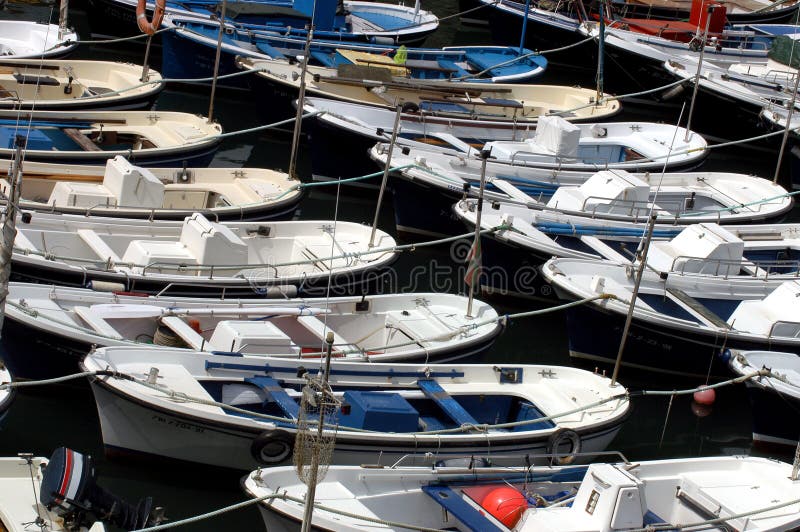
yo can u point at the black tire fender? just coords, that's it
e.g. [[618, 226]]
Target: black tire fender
[[559, 438], [272, 447]]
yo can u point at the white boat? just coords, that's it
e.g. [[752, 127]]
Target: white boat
[[22, 39], [722, 493], [638, 146], [698, 299], [6, 395], [621, 199], [64, 324], [559, 154], [242, 413], [66, 84], [651, 42], [496, 102], [775, 398], [426, 127], [751, 86], [199, 257], [146, 138], [120, 189]]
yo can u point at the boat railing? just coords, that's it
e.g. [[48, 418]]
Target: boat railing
[[795, 325], [471, 462], [725, 268], [636, 208]]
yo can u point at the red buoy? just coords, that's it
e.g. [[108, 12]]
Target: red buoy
[[705, 397], [505, 504]]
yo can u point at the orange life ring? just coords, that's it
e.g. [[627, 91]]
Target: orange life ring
[[147, 26]]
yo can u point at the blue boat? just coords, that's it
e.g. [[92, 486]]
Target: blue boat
[[333, 19], [146, 138], [189, 52]]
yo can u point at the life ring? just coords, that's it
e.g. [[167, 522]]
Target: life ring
[[559, 438], [272, 447], [147, 26]]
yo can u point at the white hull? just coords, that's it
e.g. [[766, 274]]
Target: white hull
[[142, 419], [31, 40], [80, 85]]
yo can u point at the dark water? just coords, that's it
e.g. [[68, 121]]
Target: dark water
[[42, 420]]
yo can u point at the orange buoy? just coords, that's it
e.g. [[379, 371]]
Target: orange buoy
[[705, 397], [147, 26], [195, 325], [505, 504]]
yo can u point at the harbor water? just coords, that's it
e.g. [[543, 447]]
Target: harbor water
[[45, 418]]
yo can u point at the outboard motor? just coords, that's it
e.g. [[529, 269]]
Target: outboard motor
[[69, 489]]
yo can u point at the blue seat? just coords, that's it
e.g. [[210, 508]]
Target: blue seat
[[461, 509], [277, 394], [451, 407]]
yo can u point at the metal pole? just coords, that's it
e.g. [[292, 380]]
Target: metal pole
[[484, 156], [146, 67], [524, 27], [9, 224], [788, 127], [395, 130], [216, 59], [629, 317], [697, 75], [62, 19], [601, 53], [298, 123], [308, 510]]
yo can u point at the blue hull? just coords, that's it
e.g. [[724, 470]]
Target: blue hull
[[183, 58], [776, 417], [595, 335]]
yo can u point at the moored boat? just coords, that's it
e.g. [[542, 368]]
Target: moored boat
[[559, 154], [146, 138], [242, 415], [22, 39], [65, 84], [603, 497], [343, 128], [192, 43], [123, 190], [375, 85], [692, 306], [201, 258], [48, 329], [775, 398]]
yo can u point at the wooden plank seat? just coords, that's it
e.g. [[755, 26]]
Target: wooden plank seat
[[29, 79], [98, 245], [448, 404], [318, 328], [80, 139], [96, 323], [192, 338], [275, 393]]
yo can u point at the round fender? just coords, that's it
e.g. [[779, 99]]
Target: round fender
[[410, 107], [150, 26], [559, 438], [272, 447]]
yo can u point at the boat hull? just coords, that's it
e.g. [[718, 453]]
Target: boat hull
[[184, 58], [131, 426], [33, 353], [776, 416], [595, 334]]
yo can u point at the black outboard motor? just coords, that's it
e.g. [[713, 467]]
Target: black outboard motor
[[69, 489]]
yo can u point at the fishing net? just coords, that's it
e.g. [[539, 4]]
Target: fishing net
[[313, 449]]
